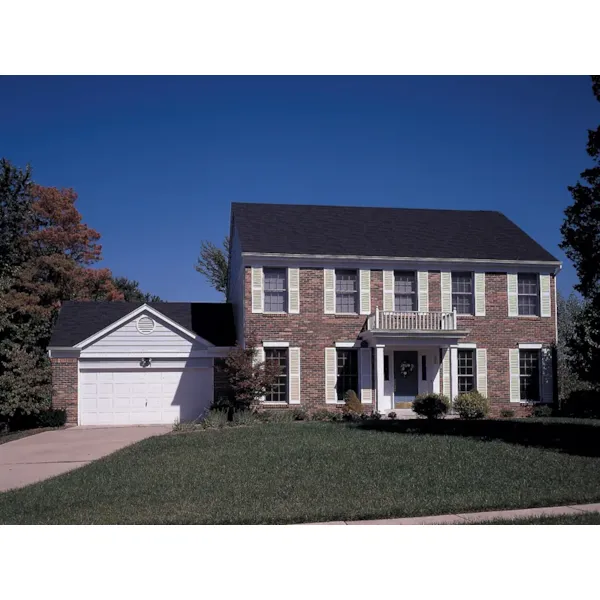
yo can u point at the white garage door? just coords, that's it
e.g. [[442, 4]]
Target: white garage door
[[143, 396]]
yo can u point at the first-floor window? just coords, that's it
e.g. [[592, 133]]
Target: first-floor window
[[347, 372], [529, 374], [278, 392], [466, 371]]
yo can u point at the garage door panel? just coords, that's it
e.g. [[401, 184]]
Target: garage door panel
[[143, 396]]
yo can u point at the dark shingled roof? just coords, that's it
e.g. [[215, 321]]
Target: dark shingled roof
[[79, 320], [394, 232]]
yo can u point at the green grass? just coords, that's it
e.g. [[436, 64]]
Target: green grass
[[303, 472], [582, 519]]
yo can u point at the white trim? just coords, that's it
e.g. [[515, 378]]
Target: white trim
[[347, 345], [555, 266], [530, 346], [555, 312], [276, 344], [78, 391], [216, 353], [466, 345], [134, 313]]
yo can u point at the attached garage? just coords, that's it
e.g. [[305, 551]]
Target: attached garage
[[146, 367]]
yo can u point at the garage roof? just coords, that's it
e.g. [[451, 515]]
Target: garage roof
[[78, 321]]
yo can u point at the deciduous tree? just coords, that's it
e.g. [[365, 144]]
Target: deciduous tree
[[213, 263]]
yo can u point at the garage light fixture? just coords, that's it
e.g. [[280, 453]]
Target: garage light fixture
[[145, 362]]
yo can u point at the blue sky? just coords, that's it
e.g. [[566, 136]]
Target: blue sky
[[156, 161]]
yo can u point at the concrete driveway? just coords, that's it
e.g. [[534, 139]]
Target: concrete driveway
[[51, 453]]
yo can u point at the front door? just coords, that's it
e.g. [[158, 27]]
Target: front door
[[406, 377]]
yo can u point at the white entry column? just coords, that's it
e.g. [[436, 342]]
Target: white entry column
[[379, 378]]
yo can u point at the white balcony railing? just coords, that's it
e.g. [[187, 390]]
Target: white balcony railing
[[384, 320]]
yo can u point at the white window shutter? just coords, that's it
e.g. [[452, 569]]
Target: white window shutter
[[329, 284], [294, 375], [365, 291], [423, 290], [259, 359], [257, 290], [545, 308], [512, 289], [293, 291], [515, 387], [446, 287], [547, 375], [446, 374], [366, 380], [330, 375], [480, 294], [388, 290], [481, 363]]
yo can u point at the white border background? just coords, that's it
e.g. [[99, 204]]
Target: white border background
[[309, 37]]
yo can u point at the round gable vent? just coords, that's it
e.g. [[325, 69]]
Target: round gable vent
[[145, 325]]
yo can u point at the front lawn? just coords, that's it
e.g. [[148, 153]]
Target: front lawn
[[303, 472], [582, 519]]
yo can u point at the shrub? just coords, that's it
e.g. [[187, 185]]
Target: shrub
[[541, 410], [507, 413], [471, 405], [215, 419], [376, 416], [245, 417], [280, 416], [299, 414], [49, 417], [352, 404], [582, 404], [432, 406], [324, 414], [392, 415], [185, 426]]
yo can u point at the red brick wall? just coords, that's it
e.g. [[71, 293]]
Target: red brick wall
[[64, 386], [313, 331]]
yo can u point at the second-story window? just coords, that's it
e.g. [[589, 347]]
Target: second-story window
[[275, 290], [462, 293], [528, 294], [405, 291], [346, 291]]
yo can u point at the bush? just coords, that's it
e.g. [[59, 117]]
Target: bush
[[582, 404], [392, 415], [215, 419], [299, 414], [507, 413], [541, 410], [471, 405], [432, 406], [245, 417], [50, 417], [280, 416], [324, 414], [376, 416], [352, 404], [185, 426]]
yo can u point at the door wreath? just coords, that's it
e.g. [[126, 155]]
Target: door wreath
[[406, 368]]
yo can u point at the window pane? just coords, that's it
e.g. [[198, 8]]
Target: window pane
[[277, 393], [463, 304], [347, 364], [275, 301], [345, 281], [404, 303], [345, 303], [529, 374], [346, 291], [528, 305], [527, 283], [404, 282], [528, 293], [274, 279], [462, 293]]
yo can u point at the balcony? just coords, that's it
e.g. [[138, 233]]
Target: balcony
[[391, 321]]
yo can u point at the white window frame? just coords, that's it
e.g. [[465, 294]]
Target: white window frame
[[356, 292], [285, 291]]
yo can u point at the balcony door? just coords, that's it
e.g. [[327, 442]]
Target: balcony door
[[406, 377]]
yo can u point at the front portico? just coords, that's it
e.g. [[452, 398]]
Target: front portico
[[411, 355]]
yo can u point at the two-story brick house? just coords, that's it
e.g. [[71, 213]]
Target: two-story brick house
[[387, 302], [394, 302]]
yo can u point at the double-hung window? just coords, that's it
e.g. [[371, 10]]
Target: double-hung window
[[528, 290], [275, 290], [347, 372], [529, 375], [462, 293], [346, 291], [405, 291], [279, 390], [466, 371]]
